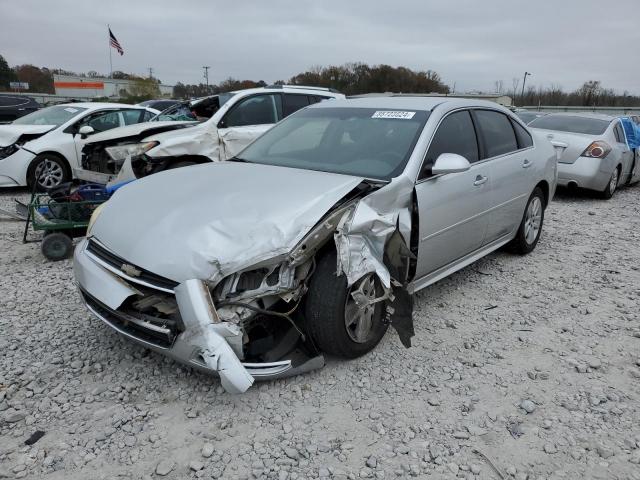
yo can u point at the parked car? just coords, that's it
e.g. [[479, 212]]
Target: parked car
[[44, 147], [160, 104], [15, 106], [597, 155], [528, 116], [313, 237], [228, 123]]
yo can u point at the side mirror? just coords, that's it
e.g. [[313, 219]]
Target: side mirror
[[85, 131], [450, 163]]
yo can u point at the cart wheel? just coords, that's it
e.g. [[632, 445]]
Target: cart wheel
[[56, 246]]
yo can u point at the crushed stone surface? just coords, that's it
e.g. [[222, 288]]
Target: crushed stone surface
[[529, 366]]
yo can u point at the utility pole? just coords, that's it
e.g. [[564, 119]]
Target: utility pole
[[150, 72], [526, 74], [206, 76]]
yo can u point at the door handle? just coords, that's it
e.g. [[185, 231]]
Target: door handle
[[480, 180], [527, 163]]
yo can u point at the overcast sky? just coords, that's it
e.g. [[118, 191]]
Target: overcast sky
[[470, 43]]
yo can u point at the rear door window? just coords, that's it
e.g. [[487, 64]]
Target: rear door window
[[455, 134], [133, 116], [497, 132], [293, 103]]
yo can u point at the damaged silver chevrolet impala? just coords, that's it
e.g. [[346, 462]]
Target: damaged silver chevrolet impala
[[312, 240]]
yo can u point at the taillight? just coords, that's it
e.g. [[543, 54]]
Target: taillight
[[597, 150]]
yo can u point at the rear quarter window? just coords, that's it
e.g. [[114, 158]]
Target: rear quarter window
[[522, 135]]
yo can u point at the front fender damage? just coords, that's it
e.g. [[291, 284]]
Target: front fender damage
[[375, 238]]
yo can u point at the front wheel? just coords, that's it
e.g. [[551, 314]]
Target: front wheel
[[531, 225], [47, 171], [342, 320]]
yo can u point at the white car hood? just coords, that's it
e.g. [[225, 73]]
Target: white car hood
[[208, 221], [9, 134], [135, 130]]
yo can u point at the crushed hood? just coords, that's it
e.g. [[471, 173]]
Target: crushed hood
[[147, 128], [9, 134], [208, 221]]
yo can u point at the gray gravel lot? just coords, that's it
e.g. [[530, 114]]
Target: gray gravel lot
[[530, 364]]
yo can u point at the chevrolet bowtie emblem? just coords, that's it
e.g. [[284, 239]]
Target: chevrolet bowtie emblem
[[130, 270]]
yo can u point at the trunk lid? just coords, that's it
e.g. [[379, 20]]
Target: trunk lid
[[576, 143]]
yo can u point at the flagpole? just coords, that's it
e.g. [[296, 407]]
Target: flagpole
[[110, 60]]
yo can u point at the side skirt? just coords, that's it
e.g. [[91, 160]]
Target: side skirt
[[459, 264]]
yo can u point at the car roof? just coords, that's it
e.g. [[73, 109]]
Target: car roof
[[290, 89], [99, 105], [598, 116], [418, 102]]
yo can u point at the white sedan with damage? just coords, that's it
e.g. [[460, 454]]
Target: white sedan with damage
[[312, 240], [44, 147]]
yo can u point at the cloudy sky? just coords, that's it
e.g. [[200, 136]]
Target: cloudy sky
[[470, 43]]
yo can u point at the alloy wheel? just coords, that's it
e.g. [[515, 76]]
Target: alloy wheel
[[613, 183], [359, 314], [533, 220], [49, 173]]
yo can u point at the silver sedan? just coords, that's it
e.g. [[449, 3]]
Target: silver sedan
[[314, 237], [596, 154]]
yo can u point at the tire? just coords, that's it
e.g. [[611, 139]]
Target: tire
[[527, 237], [612, 184], [46, 171], [326, 303], [56, 246]]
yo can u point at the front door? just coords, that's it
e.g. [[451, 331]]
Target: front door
[[246, 121], [452, 207]]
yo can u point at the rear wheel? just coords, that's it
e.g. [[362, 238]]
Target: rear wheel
[[56, 246], [612, 185], [531, 225], [338, 323], [47, 171]]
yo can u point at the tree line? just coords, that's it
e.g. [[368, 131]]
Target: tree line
[[350, 79]]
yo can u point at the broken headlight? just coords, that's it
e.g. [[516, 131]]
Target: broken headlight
[[119, 153], [7, 151]]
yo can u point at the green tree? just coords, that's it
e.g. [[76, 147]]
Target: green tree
[[6, 74]]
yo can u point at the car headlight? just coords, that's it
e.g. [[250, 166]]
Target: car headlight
[[94, 217], [8, 150], [121, 152]]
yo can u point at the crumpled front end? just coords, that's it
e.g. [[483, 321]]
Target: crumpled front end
[[179, 321]]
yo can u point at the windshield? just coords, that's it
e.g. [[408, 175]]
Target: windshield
[[356, 141], [195, 110], [572, 124], [56, 115]]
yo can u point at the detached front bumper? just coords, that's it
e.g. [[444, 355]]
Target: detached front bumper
[[202, 341], [585, 172], [13, 169]]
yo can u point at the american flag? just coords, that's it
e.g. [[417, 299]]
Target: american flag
[[113, 41]]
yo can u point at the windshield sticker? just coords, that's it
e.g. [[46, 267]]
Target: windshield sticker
[[71, 110], [393, 114]]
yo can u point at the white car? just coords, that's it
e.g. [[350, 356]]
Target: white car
[[228, 123], [45, 146]]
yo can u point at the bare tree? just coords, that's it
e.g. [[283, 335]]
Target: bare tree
[[515, 82], [499, 86]]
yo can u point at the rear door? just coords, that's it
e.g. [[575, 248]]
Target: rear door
[[245, 121], [452, 207], [626, 154], [507, 148]]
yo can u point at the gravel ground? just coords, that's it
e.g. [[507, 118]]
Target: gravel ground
[[529, 366]]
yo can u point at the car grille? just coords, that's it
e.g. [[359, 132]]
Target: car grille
[[158, 335], [117, 263]]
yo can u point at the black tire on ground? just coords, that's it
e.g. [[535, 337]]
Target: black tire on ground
[[520, 244], [325, 312], [56, 246], [610, 189], [53, 171]]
